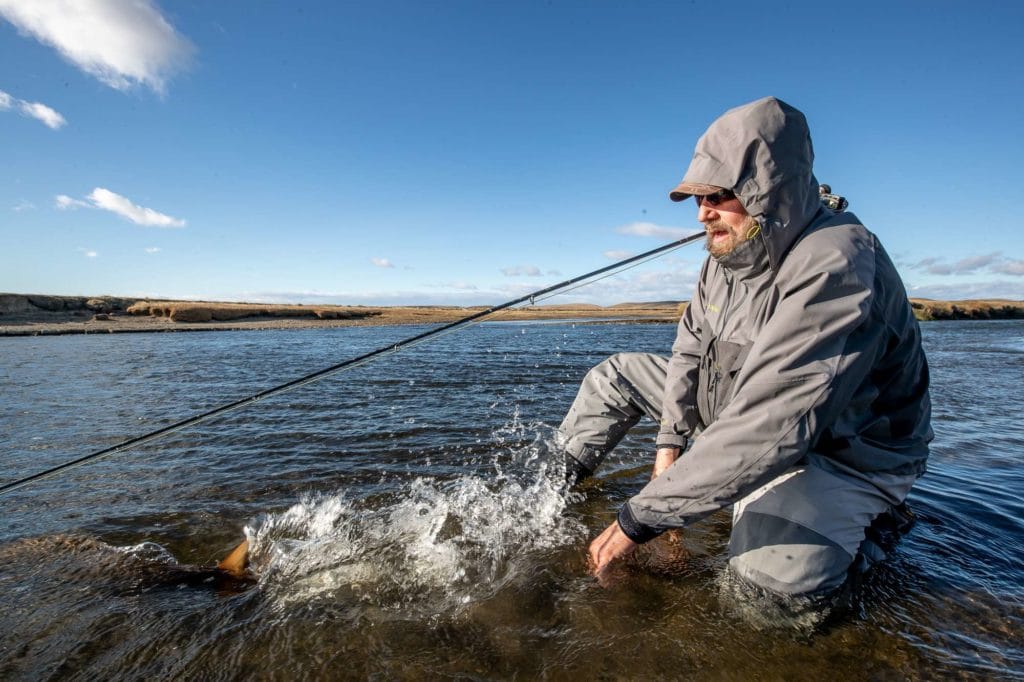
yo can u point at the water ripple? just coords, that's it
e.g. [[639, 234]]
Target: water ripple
[[405, 523]]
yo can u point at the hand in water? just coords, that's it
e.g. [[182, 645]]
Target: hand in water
[[613, 544], [606, 548]]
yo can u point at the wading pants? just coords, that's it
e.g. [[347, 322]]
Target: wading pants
[[796, 535]]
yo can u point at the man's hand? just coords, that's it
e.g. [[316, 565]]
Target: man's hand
[[663, 459], [610, 545]]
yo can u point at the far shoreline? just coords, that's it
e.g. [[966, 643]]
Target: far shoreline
[[45, 315]]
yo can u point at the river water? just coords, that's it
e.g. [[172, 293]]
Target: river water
[[404, 523]]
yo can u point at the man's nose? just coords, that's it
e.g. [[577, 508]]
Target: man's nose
[[705, 213]]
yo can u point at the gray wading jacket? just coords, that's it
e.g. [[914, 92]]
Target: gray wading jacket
[[800, 342]]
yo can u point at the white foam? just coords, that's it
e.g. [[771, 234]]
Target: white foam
[[149, 551], [435, 543]]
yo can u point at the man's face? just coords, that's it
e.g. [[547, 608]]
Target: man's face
[[727, 224]]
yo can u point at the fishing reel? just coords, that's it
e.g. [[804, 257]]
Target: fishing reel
[[832, 201]]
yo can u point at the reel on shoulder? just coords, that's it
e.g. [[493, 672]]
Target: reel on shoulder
[[832, 201]]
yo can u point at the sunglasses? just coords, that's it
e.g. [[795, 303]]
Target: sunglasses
[[716, 198]]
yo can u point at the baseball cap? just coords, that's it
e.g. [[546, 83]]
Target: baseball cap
[[684, 190]]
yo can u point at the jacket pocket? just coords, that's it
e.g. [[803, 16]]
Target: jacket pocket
[[728, 361], [705, 378]]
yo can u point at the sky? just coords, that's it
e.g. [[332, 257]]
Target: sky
[[465, 153]]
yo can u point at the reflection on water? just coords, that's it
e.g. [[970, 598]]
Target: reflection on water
[[406, 520]]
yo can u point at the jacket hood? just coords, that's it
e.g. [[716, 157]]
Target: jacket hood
[[761, 151]]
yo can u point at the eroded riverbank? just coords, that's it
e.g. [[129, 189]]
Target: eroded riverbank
[[44, 315], [32, 315]]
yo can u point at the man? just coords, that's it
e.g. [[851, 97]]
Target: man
[[797, 375]]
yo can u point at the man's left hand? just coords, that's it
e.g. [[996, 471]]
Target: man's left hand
[[610, 545]]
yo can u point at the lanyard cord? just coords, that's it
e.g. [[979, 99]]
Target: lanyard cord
[[541, 294]]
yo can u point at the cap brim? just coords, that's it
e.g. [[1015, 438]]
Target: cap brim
[[685, 190]]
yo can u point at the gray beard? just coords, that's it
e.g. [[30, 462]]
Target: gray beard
[[728, 247]]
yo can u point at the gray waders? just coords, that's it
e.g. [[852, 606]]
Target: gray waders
[[800, 534]]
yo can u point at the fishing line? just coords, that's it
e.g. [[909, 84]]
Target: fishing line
[[532, 298]]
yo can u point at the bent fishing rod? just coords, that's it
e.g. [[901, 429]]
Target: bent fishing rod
[[351, 363]]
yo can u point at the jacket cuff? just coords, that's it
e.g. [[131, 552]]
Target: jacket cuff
[[634, 530], [671, 440]]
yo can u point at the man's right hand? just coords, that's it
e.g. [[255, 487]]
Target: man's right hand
[[663, 459]]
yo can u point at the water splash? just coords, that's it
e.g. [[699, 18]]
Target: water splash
[[432, 544]]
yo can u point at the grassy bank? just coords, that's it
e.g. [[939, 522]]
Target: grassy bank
[[29, 314], [24, 314], [991, 309]]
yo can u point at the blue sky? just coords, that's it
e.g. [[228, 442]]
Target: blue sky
[[469, 152]]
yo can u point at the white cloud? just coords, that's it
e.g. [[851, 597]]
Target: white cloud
[[50, 118], [992, 262], [88, 253], [669, 284], [36, 110], [653, 230], [1009, 266], [973, 290], [618, 255], [115, 203], [382, 262], [23, 206], [121, 43], [152, 249], [674, 283], [974, 263], [459, 286], [522, 271], [65, 203]]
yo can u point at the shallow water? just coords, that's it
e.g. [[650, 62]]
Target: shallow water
[[405, 523]]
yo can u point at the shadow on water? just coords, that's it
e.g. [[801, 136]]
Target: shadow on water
[[430, 544]]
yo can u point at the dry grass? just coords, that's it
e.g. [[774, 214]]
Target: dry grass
[[988, 309], [205, 311], [20, 315], [26, 314]]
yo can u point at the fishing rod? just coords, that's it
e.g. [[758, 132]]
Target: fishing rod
[[347, 364]]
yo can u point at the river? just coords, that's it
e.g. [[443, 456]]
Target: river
[[405, 525]]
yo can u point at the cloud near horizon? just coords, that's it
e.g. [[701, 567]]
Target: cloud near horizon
[[1013, 291], [123, 44], [990, 262], [653, 230], [675, 282], [115, 203], [522, 271], [37, 110], [382, 262]]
